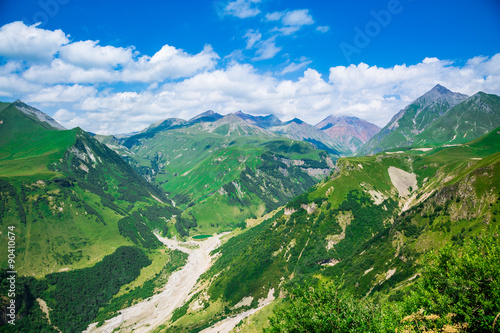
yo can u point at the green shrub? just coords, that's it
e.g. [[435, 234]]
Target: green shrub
[[462, 282], [325, 308]]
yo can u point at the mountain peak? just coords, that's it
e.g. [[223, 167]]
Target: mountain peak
[[441, 89], [37, 114], [207, 116], [351, 131], [414, 119], [295, 120], [439, 93], [232, 124], [260, 121]]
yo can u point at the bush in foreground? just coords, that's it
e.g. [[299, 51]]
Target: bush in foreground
[[458, 291]]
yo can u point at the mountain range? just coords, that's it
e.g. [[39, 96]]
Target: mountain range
[[438, 117], [298, 208]]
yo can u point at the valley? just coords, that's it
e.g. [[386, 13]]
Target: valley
[[213, 224], [148, 315]]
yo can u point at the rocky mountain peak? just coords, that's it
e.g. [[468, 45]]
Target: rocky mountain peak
[[33, 112]]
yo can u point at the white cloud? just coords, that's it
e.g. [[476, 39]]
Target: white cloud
[[276, 16], [360, 90], [323, 28], [252, 36], [179, 84], [242, 8], [62, 94], [61, 72], [71, 119], [266, 49], [294, 67], [87, 54], [30, 43], [298, 17], [292, 21], [169, 62], [53, 59], [12, 85], [286, 31], [64, 115]]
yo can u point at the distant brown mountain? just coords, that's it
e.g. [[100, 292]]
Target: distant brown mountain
[[350, 131]]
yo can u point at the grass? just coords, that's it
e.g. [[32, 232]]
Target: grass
[[51, 235], [256, 322], [159, 259]]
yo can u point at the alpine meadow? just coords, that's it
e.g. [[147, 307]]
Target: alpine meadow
[[249, 166]]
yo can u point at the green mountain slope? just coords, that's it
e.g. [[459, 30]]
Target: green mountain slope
[[227, 170], [466, 121], [412, 120], [71, 199], [370, 222]]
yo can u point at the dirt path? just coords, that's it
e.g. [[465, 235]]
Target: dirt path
[[151, 313]]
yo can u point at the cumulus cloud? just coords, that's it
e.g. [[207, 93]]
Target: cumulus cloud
[[242, 8], [30, 43], [183, 85], [53, 59], [369, 92], [62, 94], [169, 62], [88, 54], [59, 71]]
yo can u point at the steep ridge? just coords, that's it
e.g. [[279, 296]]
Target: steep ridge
[[468, 120], [412, 120], [76, 209], [370, 222], [68, 176]]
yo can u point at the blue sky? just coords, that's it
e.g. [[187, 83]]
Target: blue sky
[[116, 66]]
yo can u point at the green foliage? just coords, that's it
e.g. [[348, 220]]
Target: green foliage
[[464, 281], [76, 296], [149, 288], [324, 308], [182, 225], [133, 228], [459, 291], [29, 316]]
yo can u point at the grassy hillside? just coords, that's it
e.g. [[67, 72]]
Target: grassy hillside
[[412, 120], [468, 120], [71, 199], [225, 171], [72, 202], [370, 223]]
